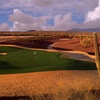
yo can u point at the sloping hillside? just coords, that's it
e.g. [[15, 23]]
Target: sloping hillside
[[54, 85]]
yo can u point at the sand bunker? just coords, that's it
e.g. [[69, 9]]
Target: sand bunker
[[3, 54]]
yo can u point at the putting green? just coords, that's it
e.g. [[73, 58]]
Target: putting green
[[21, 61]]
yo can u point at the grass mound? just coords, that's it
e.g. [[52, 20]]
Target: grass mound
[[21, 61]]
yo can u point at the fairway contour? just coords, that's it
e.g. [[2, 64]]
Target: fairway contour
[[20, 60]]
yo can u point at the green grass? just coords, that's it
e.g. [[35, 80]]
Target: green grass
[[22, 60]]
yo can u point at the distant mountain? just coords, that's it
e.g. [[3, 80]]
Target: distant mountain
[[87, 30]]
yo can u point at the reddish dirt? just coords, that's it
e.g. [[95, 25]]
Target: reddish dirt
[[73, 44]]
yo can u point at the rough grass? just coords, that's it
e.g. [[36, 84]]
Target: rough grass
[[54, 85], [22, 60]]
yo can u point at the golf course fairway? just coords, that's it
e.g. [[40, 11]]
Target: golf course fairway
[[20, 60]]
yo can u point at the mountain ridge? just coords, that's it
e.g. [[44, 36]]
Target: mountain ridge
[[87, 30]]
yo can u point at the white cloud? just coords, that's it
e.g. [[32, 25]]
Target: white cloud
[[88, 24], [92, 24], [4, 27], [25, 27], [15, 3], [44, 6], [61, 11], [62, 23], [92, 19], [42, 3], [95, 14], [24, 22], [19, 16]]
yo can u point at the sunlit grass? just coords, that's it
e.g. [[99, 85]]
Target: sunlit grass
[[21, 60]]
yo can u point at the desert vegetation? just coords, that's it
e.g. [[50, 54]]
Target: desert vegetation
[[53, 85], [46, 33], [41, 75], [86, 40]]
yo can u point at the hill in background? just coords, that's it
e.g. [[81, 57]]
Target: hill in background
[[87, 30]]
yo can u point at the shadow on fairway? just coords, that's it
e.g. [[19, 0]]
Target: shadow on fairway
[[6, 65]]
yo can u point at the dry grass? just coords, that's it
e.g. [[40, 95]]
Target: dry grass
[[54, 85]]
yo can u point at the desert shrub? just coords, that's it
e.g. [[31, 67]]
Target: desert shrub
[[85, 40]]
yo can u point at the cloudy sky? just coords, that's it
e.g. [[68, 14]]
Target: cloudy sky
[[24, 15]]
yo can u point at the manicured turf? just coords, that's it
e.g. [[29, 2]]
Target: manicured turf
[[21, 61]]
